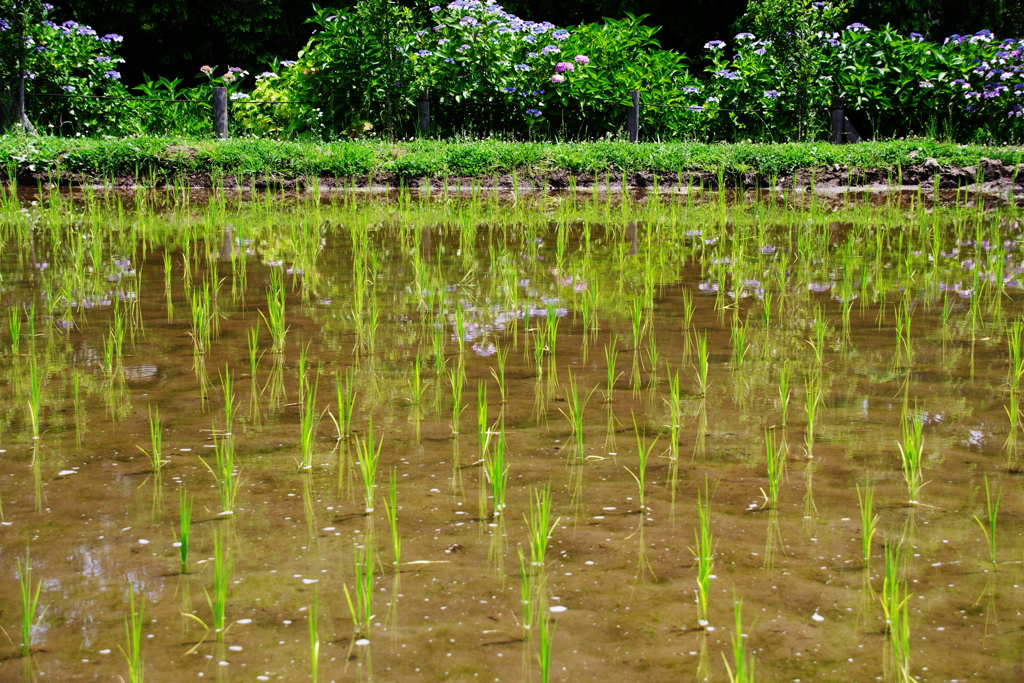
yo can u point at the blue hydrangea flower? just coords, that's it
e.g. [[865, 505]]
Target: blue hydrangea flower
[[112, 38], [533, 112], [714, 45], [522, 67], [549, 50], [424, 53], [744, 36], [113, 75], [772, 94], [560, 34], [857, 27]]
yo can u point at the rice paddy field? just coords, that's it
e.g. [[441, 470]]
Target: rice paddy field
[[477, 436]]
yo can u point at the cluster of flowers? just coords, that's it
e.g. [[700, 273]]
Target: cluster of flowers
[[511, 52], [68, 52]]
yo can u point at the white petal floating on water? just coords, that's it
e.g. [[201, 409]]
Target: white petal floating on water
[[363, 641], [559, 608], [244, 621], [143, 541], [64, 473], [104, 652], [817, 617], [309, 581]]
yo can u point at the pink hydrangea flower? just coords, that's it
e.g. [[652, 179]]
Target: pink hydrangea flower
[[582, 59], [557, 78], [564, 66]]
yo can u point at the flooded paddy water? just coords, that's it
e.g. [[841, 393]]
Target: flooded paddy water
[[497, 438]]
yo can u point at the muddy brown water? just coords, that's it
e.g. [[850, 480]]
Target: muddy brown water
[[99, 523]]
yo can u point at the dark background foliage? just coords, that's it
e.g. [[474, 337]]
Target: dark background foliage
[[175, 37]]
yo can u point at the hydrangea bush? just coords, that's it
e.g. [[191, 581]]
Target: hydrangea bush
[[69, 58]]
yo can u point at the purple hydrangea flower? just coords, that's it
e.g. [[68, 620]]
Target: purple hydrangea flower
[[424, 53], [533, 112], [564, 66], [714, 45], [549, 50], [581, 59], [772, 94], [113, 75]]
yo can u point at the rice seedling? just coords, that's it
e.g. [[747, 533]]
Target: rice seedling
[[785, 374], [688, 309], [912, 452], [35, 388], [309, 418], [202, 319], [775, 460], [391, 512], [610, 358], [29, 601], [643, 455], [868, 519], [499, 374], [345, 392], [496, 470], [14, 327], [812, 401], [221, 580], [456, 379], [742, 660], [482, 425], [738, 335], [539, 525], [575, 405], [894, 600], [417, 389], [704, 553], [224, 473], [275, 315], [702, 365], [360, 599], [156, 440], [314, 637], [368, 452], [675, 407], [545, 637], [133, 630], [184, 528], [991, 517], [1015, 347]]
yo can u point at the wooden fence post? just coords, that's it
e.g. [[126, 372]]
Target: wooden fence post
[[838, 118], [220, 113], [633, 117], [424, 105]]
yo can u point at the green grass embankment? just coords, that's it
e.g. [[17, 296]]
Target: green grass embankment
[[149, 159]]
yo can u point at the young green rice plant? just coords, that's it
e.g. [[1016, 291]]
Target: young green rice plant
[[687, 309], [868, 519], [184, 528], [391, 512], [29, 602], [314, 637], [738, 335], [775, 460], [360, 599], [202, 319], [702, 365], [14, 326], [742, 660], [545, 637], [527, 595], [497, 473], [575, 405], [345, 391], [275, 315], [308, 419], [894, 600], [1015, 346], [221, 580], [156, 441], [35, 389], [133, 632], [416, 386], [812, 401], [991, 517], [704, 553], [482, 426], [610, 359], [368, 452], [785, 374], [539, 525], [224, 473], [499, 374], [675, 408], [643, 455], [457, 378], [912, 452]]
